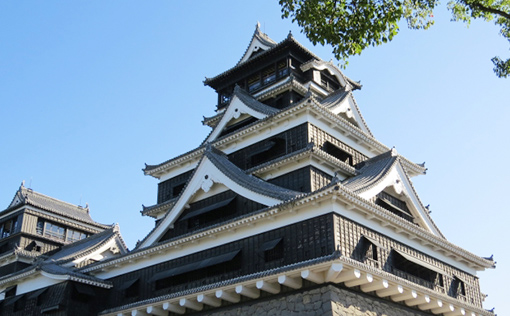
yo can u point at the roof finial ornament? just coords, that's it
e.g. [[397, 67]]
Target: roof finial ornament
[[257, 26], [22, 184], [290, 34], [394, 152]]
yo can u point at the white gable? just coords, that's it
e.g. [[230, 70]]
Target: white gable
[[235, 112], [205, 178], [397, 183], [259, 41]]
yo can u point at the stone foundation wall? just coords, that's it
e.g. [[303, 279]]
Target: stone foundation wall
[[325, 301]]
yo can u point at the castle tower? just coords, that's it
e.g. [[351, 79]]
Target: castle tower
[[289, 206]]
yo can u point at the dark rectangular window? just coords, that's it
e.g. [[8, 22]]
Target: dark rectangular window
[[9, 227], [271, 149], [273, 250], [338, 153], [412, 271], [131, 288], [457, 288]]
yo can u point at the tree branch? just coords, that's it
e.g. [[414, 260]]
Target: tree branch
[[489, 9]]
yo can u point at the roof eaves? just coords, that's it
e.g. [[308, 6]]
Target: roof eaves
[[299, 265], [288, 39]]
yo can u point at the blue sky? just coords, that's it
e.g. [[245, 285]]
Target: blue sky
[[92, 90]]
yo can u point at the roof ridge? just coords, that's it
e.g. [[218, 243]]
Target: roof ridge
[[262, 37]]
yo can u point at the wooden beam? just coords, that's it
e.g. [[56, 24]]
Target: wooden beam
[[247, 291], [211, 301], [446, 308], [391, 290], [375, 285], [430, 305], [228, 296], [312, 276], [333, 272], [184, 302], [421, 299], [154, 310], [407, 295], [457, 312], [364, 279], [294, 283], [273, 288], [174, 308], [348, 275]]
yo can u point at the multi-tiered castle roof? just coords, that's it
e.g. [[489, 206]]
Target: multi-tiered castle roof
[[289, 194]]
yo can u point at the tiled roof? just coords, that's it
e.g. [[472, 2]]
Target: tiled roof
[[371, 172], [307, 102], [245, 180], [49, 266], [56, 269], [164, 206], [30, 197], [85, 246], [261, 37], [300, 265], [289, 40], [334, 98], [251, 102]]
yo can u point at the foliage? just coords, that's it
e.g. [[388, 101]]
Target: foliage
[[350, 26]]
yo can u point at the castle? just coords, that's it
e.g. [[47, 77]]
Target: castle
[[290, 206]]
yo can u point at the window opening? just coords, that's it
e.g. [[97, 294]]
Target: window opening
[[9, 227], [394, 205], [458, 288], [74, 235], [414, 270], [237, 126], [268, 75], [177, 189], [283, 70], [254, 82], [338, 153], [273, 250], [271, 149], [131, 288]]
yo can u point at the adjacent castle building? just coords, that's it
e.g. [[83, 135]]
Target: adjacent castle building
[[290, 206]]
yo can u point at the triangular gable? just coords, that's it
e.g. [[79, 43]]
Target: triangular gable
[[18, 197], [259, 41], [241, 106], [386, 173], [343, 103], [215, 169], [98, 247]]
